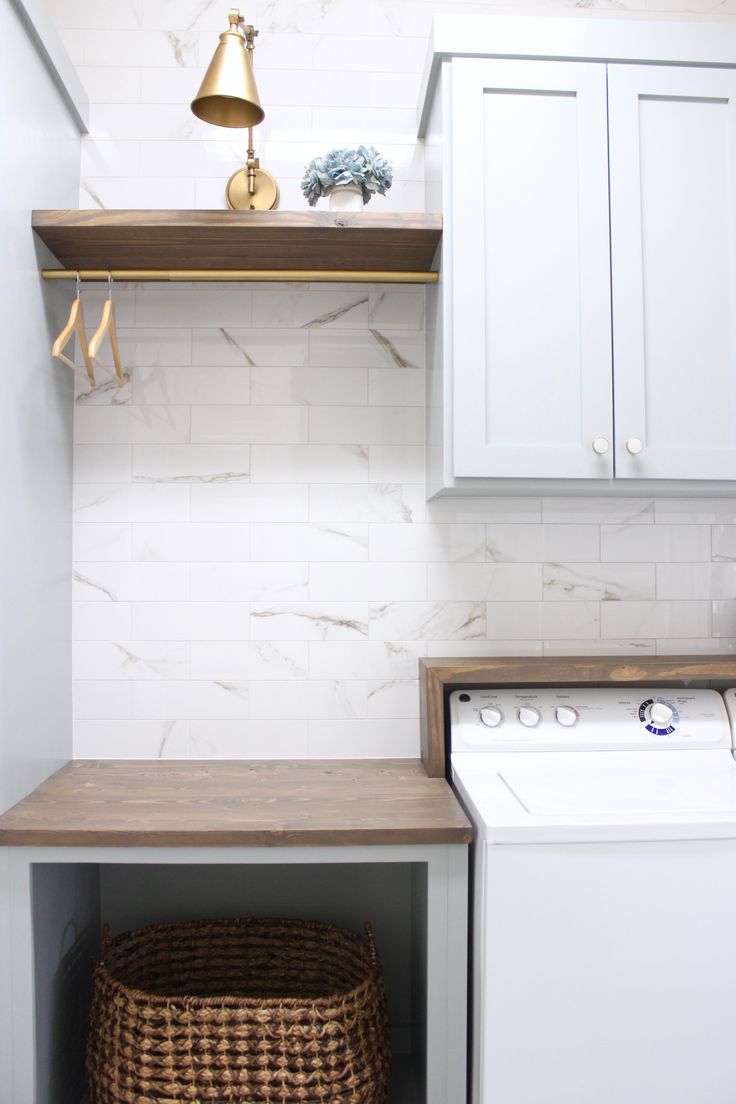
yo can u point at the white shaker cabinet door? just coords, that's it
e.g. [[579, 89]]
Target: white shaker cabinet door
[[673, 202], [530, 260]]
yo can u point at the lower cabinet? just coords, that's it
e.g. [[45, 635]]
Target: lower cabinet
[[584, 327], [414, 896]]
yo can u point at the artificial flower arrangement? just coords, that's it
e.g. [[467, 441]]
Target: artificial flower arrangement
[[364, 167]]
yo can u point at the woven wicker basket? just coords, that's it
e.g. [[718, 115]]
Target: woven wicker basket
[[256, 1011]]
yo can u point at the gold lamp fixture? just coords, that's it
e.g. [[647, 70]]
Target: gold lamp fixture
[[228, 97]]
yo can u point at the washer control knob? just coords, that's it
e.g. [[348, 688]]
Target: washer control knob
[[600, 446], [634, 446], [566, 715], [491, 716], [529, 716], [660, 713]]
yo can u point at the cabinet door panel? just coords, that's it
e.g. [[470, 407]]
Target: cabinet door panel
[[672, 148], [531, 293]]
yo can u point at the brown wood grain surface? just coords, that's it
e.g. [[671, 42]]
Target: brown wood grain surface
[[364, 240], [438, 676], [262, 803]]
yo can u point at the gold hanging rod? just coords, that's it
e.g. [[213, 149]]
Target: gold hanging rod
[[241, 275]]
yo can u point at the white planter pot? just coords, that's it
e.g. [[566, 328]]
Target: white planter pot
[[346, 197]]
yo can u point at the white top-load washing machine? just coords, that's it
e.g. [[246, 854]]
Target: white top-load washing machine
[[604, 893]]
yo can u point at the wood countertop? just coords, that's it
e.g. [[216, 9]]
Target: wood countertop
[[237, 803]]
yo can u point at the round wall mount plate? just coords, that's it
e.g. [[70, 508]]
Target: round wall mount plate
[[266, 195]]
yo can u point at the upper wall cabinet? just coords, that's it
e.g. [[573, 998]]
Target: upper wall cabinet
[[584, 327]]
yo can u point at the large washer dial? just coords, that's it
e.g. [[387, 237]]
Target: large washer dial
[[659, 716]]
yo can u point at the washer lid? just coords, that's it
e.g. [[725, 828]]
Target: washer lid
[[599, 795]]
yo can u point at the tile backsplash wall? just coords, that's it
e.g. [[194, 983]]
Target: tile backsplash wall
[[257, 572], [256, 568]]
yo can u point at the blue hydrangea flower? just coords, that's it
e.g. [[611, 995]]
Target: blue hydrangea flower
[[365, 167]]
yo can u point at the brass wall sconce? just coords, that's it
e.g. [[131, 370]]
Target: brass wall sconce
[[228, 97]]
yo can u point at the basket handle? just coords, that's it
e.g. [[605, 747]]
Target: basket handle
[[368, 928], [105, 942]]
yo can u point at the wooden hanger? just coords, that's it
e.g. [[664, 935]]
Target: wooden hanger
[[107, 326], [75, 326]]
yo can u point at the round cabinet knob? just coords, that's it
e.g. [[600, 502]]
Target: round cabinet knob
[[634, 446], [529, 716], [491, 716], [566, 715], [600, 445], [660, 713]]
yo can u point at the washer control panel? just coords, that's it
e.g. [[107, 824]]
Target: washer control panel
[[588, 718]]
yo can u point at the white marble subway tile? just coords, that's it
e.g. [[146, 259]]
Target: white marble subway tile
[[191, 621], [651, 543], [102, 158], [144, 121], [310, 386], [284, 541], [599, 647], [187, 463], [484, 582], [95, 295], [724, 618], [259, 660], [83, 14], [370, 659], [248, 582], [155, 347], [107, 502], [261, 739], [393, 698], [348, 53], [309, 463], [399, 90], [101, 621], [695, 511], [723, 539], [485, 510], [364, 739], [298, 307], [599, 511], [515, 543], [372, 348], [283, 425], [194, 306], [698, 580], [309, 620], [102, 463], [130, 659], [128, 739], [600, 582], [407, 620], [337, 125], [129, 582], [315, 699], [135, 193], [396, 387], [396, 308], [427, 543], [472, 649], [396, 463], [73, 41], [189, 543], [189, 700], [186, 384], [707, 646], [123, 425], [542, 620], [249, 502], [233, 345], [374, 502], [367, 582], [108, 391], [379, 425], [140, 48], [110, 541], [655, 619], [107, 699]]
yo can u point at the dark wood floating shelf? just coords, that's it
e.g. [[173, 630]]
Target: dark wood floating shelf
[[345, 242]]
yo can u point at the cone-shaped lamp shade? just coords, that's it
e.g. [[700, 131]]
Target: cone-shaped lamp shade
[[228, 95]]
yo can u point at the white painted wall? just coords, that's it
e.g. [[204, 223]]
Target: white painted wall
[[257, 570], [39, 151]]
